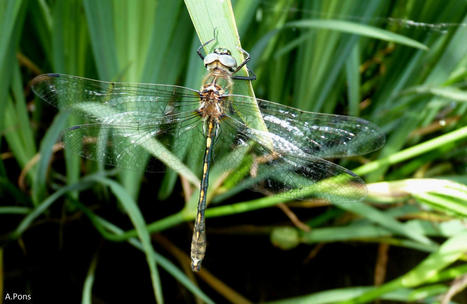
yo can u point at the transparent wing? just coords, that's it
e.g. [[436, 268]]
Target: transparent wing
[[296, 174], [122, 120], [101, 100], [316, 134], [303, 178], [123, 146]]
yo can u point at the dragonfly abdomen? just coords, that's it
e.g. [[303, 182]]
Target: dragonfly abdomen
[[198, 243]]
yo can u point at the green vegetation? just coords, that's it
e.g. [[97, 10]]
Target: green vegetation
[[399, 64]]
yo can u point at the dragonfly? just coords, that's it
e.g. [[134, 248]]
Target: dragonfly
[[122, 120]]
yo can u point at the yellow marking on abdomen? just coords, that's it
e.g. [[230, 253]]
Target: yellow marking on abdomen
[[201, 194]]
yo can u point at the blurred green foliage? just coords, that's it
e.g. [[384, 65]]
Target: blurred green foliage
[[399, 64]]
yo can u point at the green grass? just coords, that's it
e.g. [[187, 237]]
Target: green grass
[[401, 65]]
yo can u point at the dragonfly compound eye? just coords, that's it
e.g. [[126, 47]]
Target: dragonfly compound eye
[[225, 59], [228, 61], [210, 58]]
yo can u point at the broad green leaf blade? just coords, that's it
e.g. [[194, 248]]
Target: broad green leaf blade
[[9, 11], [102, 34], [449, 93], [358, 29], [19, 133], [212, 16], [353, 78]]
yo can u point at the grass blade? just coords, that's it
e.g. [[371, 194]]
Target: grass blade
[[358, 29], [45, 151], [87, 288]]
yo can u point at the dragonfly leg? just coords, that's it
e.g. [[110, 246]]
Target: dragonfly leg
[[204, 44], [252, 75], [261, 160], [247, 58]]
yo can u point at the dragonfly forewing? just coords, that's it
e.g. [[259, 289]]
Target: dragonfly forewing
[[63, 90]]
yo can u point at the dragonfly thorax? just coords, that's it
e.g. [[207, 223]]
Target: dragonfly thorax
[[218, 81], [210, 106]]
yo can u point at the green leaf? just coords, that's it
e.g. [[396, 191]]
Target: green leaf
[[14, 210], [46, 150], [449, 93], [102, 34], [448, 253], [353, 80], [358, 29], [87, 288], [211, 17], [9, 11], [19, 134], [444, 195]]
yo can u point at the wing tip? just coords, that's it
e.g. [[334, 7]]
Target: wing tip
[[56, 75], [43, 77], [74, 128]]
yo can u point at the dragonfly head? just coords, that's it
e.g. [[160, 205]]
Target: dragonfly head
[[220, 58], [222, 51]]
